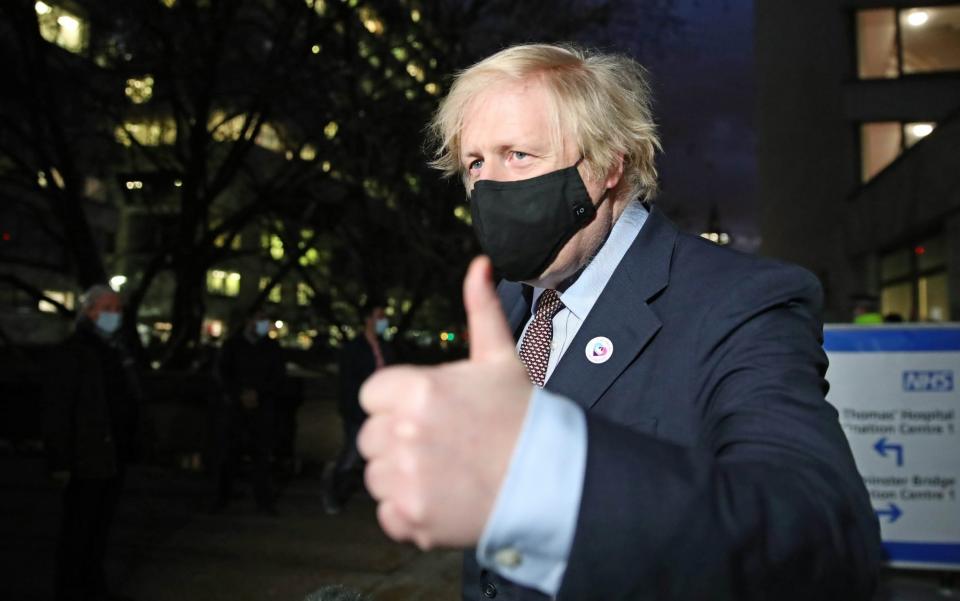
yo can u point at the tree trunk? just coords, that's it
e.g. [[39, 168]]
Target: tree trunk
[[187, 312]]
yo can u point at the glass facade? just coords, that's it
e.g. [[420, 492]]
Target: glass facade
[[913, 281]]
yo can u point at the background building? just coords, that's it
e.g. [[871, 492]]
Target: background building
[[859, 149]]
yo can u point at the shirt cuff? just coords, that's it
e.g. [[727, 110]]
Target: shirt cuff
[[528, 536]]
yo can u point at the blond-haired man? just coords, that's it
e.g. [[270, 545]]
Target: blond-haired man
[[664, 433]]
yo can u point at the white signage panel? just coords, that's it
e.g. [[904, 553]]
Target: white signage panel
[[898, 397]]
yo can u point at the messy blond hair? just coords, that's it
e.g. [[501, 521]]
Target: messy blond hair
[[601, 100]]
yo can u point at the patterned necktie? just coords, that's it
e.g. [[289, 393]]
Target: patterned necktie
[[535, 346]]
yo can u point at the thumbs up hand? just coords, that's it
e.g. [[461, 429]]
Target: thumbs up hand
[[439, 439]]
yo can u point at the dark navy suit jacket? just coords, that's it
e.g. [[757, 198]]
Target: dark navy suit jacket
[[715, 468]]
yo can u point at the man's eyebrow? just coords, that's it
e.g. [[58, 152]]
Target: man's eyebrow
[[535, 147]]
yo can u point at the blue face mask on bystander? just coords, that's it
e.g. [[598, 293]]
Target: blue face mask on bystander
[[261, 327], [109, 321]]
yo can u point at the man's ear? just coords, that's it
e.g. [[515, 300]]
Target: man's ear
[[614, 173]]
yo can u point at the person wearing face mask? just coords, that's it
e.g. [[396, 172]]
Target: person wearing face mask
[[251, 372], [359, 358], [90, 417], [642, 415]]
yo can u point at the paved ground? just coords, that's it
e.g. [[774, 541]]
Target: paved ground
[[166, 548]]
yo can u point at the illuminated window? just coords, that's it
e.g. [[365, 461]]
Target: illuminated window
[[931, 39], [375, 188], [463, 214], [224, 283], [304, 294], [61, 27], [139, 89], [882, 142], [913, 281], [415, 71], [364, 48], [235, 241], [371, 21], [64, 298], [892, 43], [319, 6], [310, 257], [330, 130], [273, 244], [877, 43], [412, 181], [275, 295], [914, 132], [721, 238], [223, 129], [153, 132]]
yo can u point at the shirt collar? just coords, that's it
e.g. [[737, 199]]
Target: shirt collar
[[580, 297]]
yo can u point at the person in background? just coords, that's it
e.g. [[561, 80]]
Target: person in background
[[92, 396], [251, 370], [866, 310], [359, 358]]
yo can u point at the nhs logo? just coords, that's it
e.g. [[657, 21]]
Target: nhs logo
[[939, 380]]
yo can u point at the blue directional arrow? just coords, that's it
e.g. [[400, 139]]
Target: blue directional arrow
[[893, 513], [882, 447]]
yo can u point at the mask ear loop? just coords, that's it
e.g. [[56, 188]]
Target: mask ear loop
[[606, 191]]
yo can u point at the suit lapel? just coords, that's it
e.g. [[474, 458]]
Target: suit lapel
[[515, 301], [621, 314]]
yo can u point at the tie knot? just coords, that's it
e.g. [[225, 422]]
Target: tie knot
[[548, 305]]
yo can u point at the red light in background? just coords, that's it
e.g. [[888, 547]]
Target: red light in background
[[919, 250], [6, 236]]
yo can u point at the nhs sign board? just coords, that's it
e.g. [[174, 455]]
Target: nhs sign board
[[937, 380]]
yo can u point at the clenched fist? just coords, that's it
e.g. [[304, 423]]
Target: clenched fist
[[439, 439]]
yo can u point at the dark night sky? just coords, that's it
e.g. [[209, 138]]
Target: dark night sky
[[703, 79]]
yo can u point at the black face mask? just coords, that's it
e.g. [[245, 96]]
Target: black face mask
[[522, 225]]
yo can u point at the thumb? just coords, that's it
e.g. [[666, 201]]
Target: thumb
[[490, 336]]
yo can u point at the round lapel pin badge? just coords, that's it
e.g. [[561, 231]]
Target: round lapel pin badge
[[599, 350]]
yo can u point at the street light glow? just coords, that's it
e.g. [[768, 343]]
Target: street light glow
[[117, 282]]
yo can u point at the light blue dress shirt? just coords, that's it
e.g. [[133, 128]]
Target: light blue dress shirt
[[528, 536]]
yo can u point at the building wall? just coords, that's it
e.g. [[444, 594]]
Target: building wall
[[804, 143], [811, 104]]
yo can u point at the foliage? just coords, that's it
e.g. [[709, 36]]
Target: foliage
[[207, 122]]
